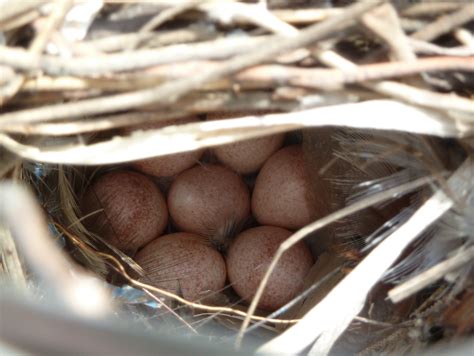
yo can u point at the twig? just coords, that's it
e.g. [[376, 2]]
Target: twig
[[412, 25], [39, 43], [327, 320], [165, 16], [328, 79], [311, 78], [20, 20], [255, 14], [445, 24], [384, 22], [424, 279], [193, 104], [118, 42], [261, 76], [465, 37], [170, 92], [401, 91], [305, 16], [13, 9], [127, 61], [194, 136], [430, 8], [430, 48], [53, 22]]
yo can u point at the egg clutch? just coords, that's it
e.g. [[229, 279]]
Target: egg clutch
[[210, 228]]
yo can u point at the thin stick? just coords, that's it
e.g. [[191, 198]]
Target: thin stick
[[424, 279], [430, 48], [385, 23], [127, 61], [121, 41], [347, 72], [39, 44], [163, 17], [256, 14], [319, 224], [430, 8], [193, 104], [262, 76], [402, 91], [330, 78], [13, 9], [445, 24], [305, 16]]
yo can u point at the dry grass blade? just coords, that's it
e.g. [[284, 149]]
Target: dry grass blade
[[328, 319], [182, 138], [195, 305], [10, 262], [424, 279], [70, 211], [296, 300]]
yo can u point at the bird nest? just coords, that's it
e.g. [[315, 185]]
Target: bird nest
[[378, 94]]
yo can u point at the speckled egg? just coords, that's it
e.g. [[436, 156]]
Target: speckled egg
[[249, 257], [205, 198], [246, 156], [131, 210], [282, 195], [169, 165], [183, 263]]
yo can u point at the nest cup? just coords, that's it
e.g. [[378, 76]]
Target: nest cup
[[296, 101]]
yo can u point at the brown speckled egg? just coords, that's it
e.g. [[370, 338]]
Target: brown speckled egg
[[169, 165], [134, 209], [246, 156], [184, 264], [203, 199], [249, 257], [282, 196]]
